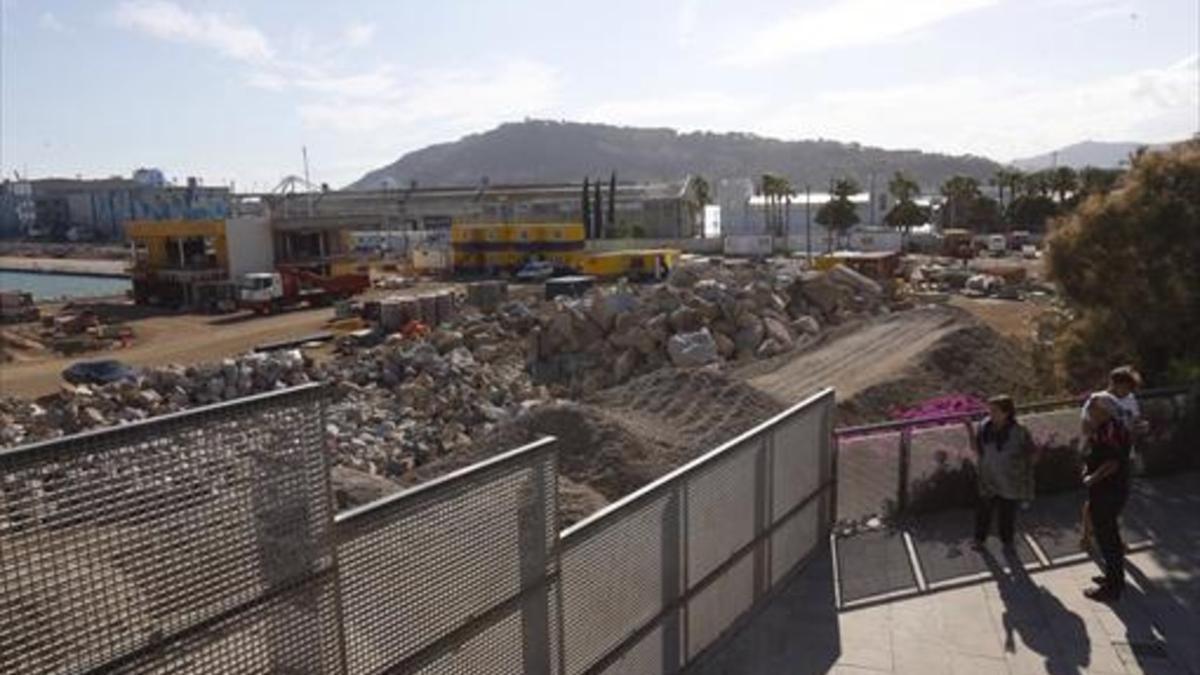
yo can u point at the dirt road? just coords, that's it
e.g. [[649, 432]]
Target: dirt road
[[183, 339], [872, 354]]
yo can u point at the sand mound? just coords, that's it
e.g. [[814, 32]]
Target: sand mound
[[626, 436], [972, 359]]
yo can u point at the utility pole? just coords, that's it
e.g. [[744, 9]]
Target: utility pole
[[307, 182]]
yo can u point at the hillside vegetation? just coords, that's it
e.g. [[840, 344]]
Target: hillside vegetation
[[546, 151]]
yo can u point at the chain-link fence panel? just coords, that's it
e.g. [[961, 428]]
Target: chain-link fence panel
[[455, 572], [118, 544]]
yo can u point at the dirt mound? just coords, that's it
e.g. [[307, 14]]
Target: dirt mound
[[972, 359], [627, 436], [684, 413]]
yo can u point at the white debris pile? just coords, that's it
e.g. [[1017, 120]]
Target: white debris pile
[[402, 403], [704, 315]]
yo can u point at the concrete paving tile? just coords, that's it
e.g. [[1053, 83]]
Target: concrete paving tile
[[971, 664], [841, 669], [913, 656], [969, 628]]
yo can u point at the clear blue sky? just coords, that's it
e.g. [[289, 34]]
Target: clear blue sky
[[230, 90]]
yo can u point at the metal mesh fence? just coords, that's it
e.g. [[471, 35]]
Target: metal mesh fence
[[205, 542], [656, 579], [455, 572], [924, 465], [868, 475], [116, 544]]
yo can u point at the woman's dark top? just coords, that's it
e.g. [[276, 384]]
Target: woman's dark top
[[1110, 441]]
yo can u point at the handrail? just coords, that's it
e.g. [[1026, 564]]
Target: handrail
[[21, 452], [1036, 406], [442, 482]]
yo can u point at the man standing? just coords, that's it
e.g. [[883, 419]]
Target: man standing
[[1106, 477]]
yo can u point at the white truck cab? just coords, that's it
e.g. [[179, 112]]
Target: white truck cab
[[261, 287]]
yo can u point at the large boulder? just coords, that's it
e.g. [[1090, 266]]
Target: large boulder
[[840, 274], [778, 332], [691, 350], [807, 325], [686, 320], [822, 293], [749, 335]]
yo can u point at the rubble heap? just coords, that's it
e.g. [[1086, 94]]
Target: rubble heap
[[156, 391], [705, 314], [401, 403]]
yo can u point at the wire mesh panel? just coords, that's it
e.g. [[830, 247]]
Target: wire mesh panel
[[796, 537], [1059, 429], [940, 462], [714, 608], [868, 476], [617, 574], [801, 458], [296, 631], [434, 577], [644, 657], [114, 543], [722, 508]]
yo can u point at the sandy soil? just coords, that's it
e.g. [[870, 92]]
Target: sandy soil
[[1007, 317], [874, 353], [183, 338]]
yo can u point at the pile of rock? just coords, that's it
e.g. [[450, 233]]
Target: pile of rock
[[155, 391], [403, 402], [702, 316]]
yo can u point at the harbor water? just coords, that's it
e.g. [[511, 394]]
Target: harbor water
[[59, 286]]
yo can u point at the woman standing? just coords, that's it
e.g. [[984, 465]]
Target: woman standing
[[1106, 475], [1005, 452]]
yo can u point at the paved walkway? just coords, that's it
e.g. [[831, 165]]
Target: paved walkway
[[1017, 620]]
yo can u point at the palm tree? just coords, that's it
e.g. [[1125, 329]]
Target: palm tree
[[904, 214], [838, 214], [960, 193], [1064, 181]]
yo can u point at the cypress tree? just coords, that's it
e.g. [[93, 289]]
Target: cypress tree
[[598, 213], [587, 212], [612, 200]]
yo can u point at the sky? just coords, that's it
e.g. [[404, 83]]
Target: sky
[[231, 90]]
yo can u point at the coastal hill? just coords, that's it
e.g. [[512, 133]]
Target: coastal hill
[[548, 151]]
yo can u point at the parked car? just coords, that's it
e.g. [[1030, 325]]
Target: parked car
[[104, 371], [536, 270]]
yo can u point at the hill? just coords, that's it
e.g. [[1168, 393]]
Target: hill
[[1088, 153], [547, 151]]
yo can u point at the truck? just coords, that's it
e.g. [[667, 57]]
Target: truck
[[997, 245], [271, 292]]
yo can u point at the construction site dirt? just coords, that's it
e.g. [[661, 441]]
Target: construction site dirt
[[629, 399]]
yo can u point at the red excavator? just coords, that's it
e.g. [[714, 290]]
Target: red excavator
[[271, 292]]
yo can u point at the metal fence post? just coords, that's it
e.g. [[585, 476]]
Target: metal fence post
[[905, 451], [762, 515], [535, 618], [673, 562]]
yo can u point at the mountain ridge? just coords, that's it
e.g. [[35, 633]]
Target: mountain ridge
[[1100, 154], [535, 151]]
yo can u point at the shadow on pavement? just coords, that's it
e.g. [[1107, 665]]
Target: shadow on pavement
[[796, 632], [1043, 623]]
